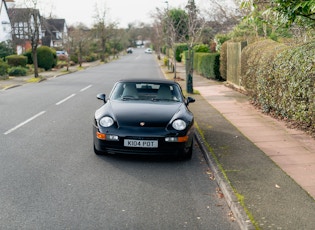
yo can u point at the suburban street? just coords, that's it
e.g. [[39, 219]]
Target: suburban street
[[50, 177]]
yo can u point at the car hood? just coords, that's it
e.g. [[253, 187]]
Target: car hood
[[153, 114]]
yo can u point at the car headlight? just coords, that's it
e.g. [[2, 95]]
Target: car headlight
[[106, 122], [179, 124]]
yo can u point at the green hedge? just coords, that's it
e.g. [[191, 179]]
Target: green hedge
[[207, 65], [281, 79], [16, 60]]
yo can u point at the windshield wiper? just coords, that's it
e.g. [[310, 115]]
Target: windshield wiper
[[125, 98]]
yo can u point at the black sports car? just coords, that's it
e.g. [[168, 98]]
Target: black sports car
[[146, 117]]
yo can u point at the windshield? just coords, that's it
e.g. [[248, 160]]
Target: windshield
[[147, 92]]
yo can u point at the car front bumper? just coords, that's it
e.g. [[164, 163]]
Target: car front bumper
[[163, 148]]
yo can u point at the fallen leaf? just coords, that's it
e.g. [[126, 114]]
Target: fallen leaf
[[231, 215], [219, 193]]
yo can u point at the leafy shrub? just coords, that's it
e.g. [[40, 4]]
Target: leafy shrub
[[91, 58], [46, 58], [180, 48], [74, 58], [17, 71], [165, 60], [6, 49], [17, 60], [201, 48], [29, 56], [3, 69]]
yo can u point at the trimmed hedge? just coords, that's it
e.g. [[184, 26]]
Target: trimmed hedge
[[207, 65], [281, 79], [16, 60]]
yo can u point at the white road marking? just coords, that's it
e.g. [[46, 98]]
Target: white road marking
[[24, 122], [67, 98], [85, 88]]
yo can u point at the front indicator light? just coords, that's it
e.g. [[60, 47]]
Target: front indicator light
[[176, 139], [110, 137], [101, 136]]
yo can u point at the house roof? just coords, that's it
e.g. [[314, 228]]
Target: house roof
[[56, 24], [21, 14]]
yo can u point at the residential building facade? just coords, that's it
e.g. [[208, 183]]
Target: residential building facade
[[5, 24]]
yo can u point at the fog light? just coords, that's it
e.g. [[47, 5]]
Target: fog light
[[110, 137], [171, 139], [176, 139]]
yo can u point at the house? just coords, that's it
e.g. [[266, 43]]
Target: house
[[55, 33], [26, 28], [27, 24], [5, 24]]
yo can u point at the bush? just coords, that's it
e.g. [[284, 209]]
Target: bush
[[201, 48], [17, 71], [207, 64], [29, 56], [74, 58], [3, 70], [17, 60], [180, 48], [165, 61], [46, 58], [6, 49], [91, 58]]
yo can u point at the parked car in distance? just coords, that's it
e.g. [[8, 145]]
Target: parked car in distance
[[129, 50], [144, 117], [61, 52], [148, 51]]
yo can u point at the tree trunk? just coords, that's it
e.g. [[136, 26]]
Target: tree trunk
[[189, 72], [35, 62]]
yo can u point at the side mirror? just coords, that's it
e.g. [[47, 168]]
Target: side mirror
[[102, 97], [189, 100]]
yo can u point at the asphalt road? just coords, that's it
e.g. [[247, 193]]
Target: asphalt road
[[50, 177]]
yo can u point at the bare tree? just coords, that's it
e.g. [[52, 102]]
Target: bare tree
[[195, 27], [79, 37], [32, 32], [103, 29], [222, 16], [174, 24]]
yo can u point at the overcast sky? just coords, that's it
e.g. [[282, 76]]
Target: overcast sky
[[122, 11]]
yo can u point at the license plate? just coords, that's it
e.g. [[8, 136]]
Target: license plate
[[141, 143]]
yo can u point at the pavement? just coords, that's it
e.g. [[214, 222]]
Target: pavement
[[264, 170]]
